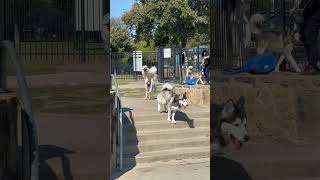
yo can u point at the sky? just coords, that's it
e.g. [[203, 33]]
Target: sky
[[118, 7]]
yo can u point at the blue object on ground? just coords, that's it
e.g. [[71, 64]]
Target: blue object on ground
[[193, 81], [259, 64]]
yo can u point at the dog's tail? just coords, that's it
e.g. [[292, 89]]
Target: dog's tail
[[153, 70], [255, 21], [167, 87]]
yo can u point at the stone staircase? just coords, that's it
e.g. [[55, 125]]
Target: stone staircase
[[149, 137]]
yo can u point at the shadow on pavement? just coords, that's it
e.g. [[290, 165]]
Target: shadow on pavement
[[130, 143], [181, 116], [47, 152], [223, 169]]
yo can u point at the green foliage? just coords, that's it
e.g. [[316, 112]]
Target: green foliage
[[198, 39], [144, 46], [119, 36], [169, 22]]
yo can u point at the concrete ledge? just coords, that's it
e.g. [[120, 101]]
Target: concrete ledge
[[197, 94], [280, 104]]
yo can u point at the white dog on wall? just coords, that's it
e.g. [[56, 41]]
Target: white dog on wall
[[189, 74], [150, 76]]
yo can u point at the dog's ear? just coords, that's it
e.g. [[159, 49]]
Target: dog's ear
[[185, 95], [240, 103], [228, 109]]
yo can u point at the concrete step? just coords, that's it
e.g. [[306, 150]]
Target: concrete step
[[166, 134], [164, 124], [173, 154], [282, 161], [156, 116], [157, 145]]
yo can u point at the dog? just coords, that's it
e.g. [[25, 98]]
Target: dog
[[150, 77], [189, 74], [171, 102], [280, 43], [229, 125]]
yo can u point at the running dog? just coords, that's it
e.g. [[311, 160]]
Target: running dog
[[279, 43], [170, 101], [150, 77], [229, 125]]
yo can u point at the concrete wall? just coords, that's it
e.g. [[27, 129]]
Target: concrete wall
[[279, 105]]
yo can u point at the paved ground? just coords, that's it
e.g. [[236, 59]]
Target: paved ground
[[183, 170]]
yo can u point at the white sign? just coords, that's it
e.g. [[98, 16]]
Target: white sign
[[166, 53], [137, 61]]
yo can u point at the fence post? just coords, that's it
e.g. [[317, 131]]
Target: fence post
[[83, 36], [3, 64], [160, 64], [198, 58]]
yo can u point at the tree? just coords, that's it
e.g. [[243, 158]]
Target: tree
[[170, 22], [119, 36]]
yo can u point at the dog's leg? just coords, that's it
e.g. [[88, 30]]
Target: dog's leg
[[173, 114], [280, 61], [146, 91], [169, 113], [292, 61], [165, 108], [159, 108]]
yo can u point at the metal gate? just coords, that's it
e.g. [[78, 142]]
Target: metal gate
[[59, 31]]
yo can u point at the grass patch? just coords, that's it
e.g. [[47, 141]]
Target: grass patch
[[81, 99]]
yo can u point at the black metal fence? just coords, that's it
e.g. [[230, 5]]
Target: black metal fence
[[195, 56], [231, 45], [122, 64], [59, 31]]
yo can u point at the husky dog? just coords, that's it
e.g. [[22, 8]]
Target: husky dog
[[189, 73], [230, 125], [150, 77], [170, 101], [281, 43]]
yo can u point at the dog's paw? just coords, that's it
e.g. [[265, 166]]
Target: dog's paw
[[169, 120], [173, 121]]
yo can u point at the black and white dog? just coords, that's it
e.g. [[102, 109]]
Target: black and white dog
[[229, 125], [150, 77], [170, 101]]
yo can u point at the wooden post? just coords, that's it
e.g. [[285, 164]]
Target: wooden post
[[8, 136]]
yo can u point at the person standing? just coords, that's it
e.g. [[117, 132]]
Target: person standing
[[184, 64], [206, 65], [310, 31]]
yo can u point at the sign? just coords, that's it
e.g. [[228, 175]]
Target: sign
[[166, 53], [137, 61]]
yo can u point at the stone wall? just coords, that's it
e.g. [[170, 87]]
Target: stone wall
[[197, 94], [279, 105]]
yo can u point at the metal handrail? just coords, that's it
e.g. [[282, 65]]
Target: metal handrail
[[27, 104], [119, 104]]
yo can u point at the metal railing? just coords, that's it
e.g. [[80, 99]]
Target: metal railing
[[118, 103], [27, 111]]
